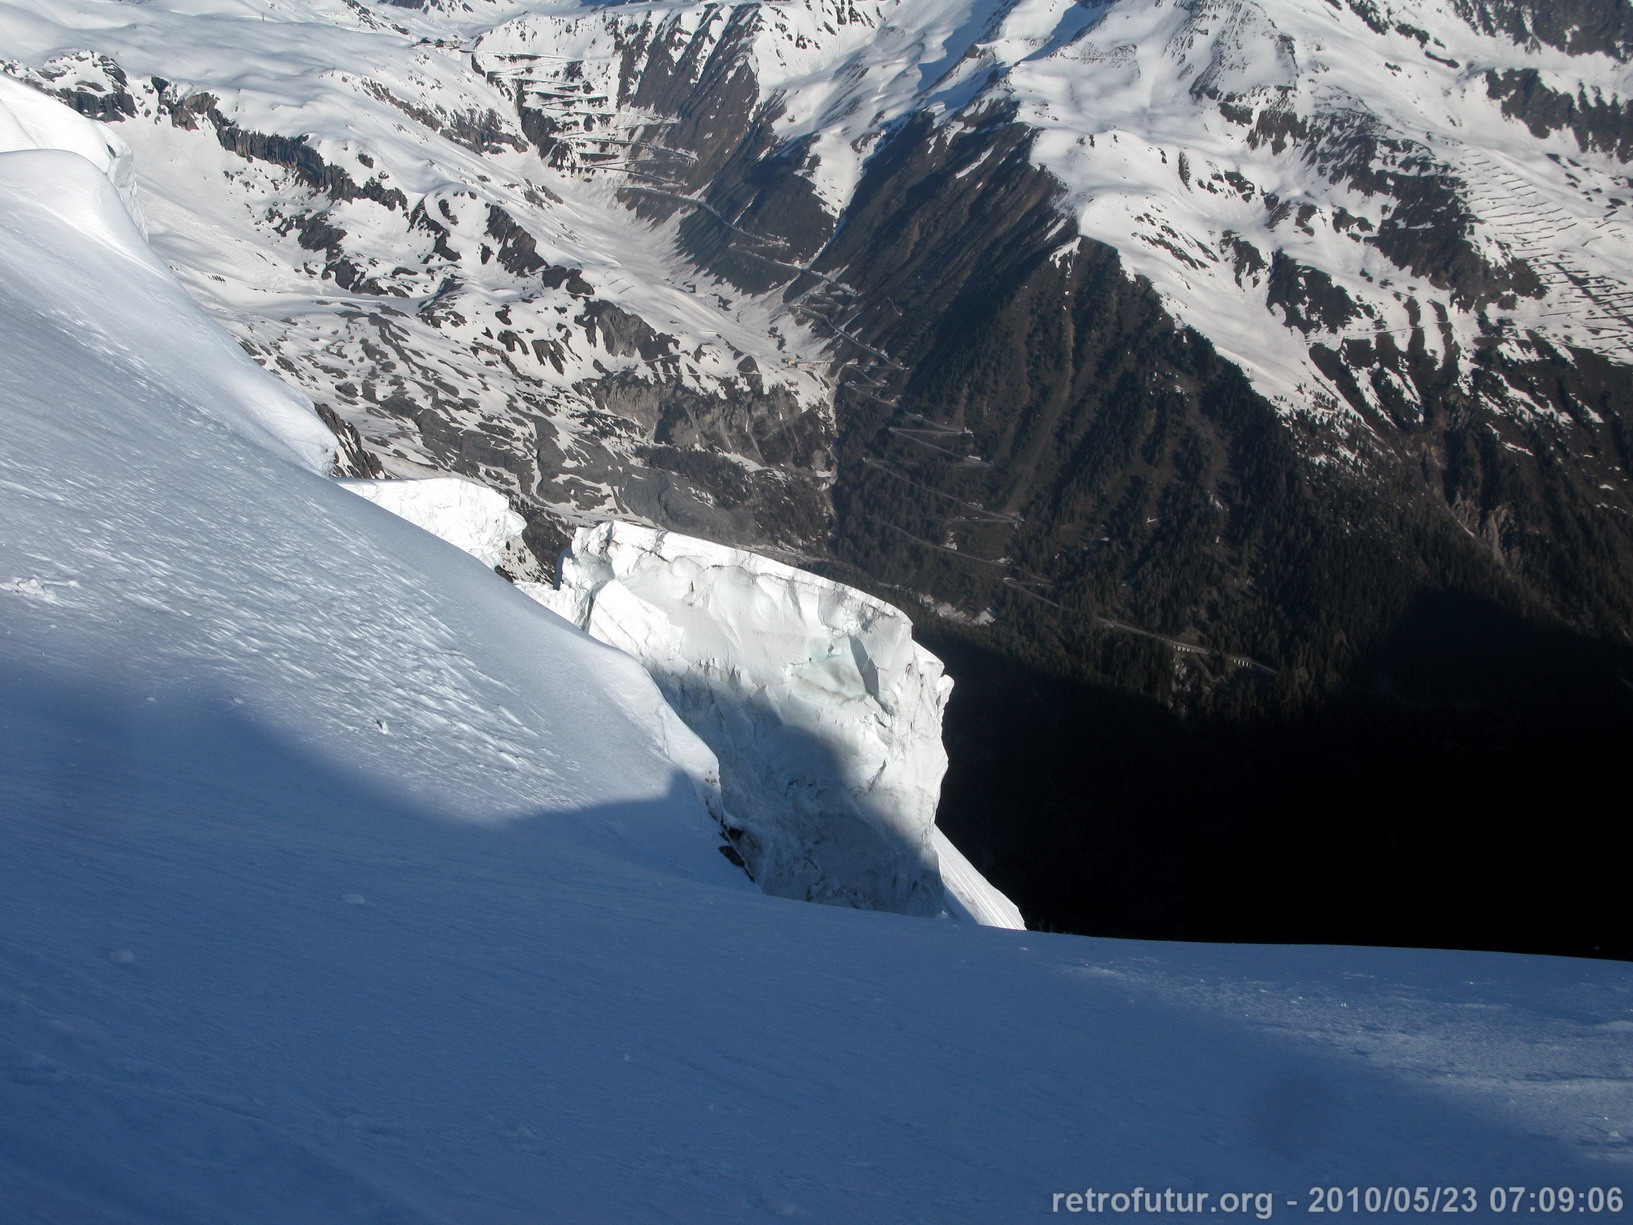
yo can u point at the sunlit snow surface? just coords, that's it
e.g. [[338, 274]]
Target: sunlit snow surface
[[29, 120]]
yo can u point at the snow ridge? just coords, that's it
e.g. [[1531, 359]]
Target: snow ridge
[[29, 120]]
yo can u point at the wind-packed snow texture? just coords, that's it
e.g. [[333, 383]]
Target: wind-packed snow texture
[[341, 882], [823, 711]]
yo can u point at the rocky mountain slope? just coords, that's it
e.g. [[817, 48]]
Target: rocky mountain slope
[[1264, 361]]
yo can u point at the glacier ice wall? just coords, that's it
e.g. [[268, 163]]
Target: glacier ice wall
[[824, 712], [465, 514]]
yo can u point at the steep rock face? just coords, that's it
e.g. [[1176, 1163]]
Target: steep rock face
[[823, 711], [1333, 200], [1215, 352], [1044, 441]]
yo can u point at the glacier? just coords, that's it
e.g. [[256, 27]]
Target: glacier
[[823, 711], [468, 516], [339, 881]]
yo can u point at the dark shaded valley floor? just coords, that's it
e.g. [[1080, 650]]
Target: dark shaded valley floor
[[1465, 790]]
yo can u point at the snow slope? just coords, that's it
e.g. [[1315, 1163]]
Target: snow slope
[[127, 406], [823, 711], [29, 120], [340, 882]]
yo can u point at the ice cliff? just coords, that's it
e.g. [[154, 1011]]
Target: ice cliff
[[824, 712], [470, 516]]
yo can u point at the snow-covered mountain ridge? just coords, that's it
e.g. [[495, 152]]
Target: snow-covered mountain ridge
[[413, 212], [144, 596], [341, 882], [1311, 186], [1290, 176]]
